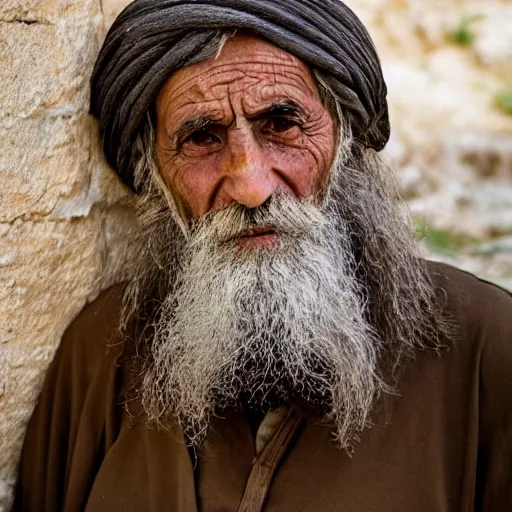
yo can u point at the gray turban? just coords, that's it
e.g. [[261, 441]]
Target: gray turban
[[151, 39]]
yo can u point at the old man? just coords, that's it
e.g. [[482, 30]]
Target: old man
[[279, 345]]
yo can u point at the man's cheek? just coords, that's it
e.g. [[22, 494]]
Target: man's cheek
[[322, 145], [302, 171], [195, 185]]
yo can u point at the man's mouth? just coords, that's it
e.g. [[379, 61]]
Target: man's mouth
[[258, 237]]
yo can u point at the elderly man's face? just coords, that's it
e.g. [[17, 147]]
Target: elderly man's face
[[238, 128]]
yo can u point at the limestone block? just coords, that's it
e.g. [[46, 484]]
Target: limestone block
[[47, 11], [23, 48], [45, 68], [58, 200], [48, 271], [53, 163], [59, 172]]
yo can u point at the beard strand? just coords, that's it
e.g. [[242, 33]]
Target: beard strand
[[320, 319]]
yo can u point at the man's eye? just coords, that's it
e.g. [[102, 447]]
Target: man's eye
[[279, 125], [203, 137]]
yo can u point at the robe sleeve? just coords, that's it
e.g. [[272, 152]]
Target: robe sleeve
[[494, 478], [66, 435]]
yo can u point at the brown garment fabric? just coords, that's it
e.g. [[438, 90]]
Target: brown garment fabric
[[443, 444]]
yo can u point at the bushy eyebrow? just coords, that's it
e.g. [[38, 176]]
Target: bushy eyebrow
[[191, 125], [280, 108]]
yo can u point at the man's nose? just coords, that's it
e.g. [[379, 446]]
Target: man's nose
[[248, 176]]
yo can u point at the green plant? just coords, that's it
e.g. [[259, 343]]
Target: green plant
[[420, 226], [445, 242], [503, 101], [463, 34]]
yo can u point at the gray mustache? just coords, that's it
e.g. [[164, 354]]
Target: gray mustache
[[285, 214]]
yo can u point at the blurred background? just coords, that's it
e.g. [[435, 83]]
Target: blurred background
[[448, 66], [64, 216]]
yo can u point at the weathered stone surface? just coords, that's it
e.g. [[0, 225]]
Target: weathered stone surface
[[45, 67], [61, 233], [48, 11], [42, 160], [111, 8], [46, 168], [49, 270]]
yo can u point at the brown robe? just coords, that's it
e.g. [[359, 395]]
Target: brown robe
[[444, 443]]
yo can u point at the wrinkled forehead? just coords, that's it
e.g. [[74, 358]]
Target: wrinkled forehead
[[243, 61]]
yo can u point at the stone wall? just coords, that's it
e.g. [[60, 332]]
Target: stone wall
[[62, 213], [60, 206]]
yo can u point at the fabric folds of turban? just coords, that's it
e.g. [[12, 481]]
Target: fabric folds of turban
[[151, 39]]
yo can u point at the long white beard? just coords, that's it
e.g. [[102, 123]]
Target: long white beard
[[323, 319], [267, 325]]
